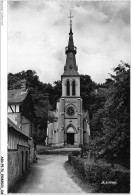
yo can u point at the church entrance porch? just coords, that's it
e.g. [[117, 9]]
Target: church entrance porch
[[70, 138]]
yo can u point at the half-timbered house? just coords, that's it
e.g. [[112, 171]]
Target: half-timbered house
[[20, 133]]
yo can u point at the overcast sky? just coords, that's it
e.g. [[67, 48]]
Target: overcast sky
[[38, 34]]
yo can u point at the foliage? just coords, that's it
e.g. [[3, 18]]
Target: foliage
[[108, 105], [39, 98], [111, 123], [44, 97], [117, 113], [97, 123], [99, 174], [39, 137], [87, 86]]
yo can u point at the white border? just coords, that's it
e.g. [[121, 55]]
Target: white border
[[4, 89]]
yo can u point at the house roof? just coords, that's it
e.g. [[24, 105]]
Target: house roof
[[16, 95], [16, 128]]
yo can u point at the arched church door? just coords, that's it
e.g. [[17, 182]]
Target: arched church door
[[70, 136]]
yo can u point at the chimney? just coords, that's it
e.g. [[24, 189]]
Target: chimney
[[23, 84]]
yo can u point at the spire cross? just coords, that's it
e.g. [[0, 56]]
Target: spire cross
[[70, 18]]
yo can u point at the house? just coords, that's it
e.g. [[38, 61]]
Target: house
[[69, 124], [21, 152], [18, 153], [20, 108]]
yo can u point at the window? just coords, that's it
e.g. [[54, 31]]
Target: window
[[73, 88], [68, 88], [70, 110]]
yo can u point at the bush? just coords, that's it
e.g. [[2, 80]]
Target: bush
[[107, 179], [75, 153], [71, 154]]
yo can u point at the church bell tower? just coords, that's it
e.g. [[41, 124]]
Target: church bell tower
[[71, 102]]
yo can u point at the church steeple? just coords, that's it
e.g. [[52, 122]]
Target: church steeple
[[70, 43], [70, 67], [70, 46]]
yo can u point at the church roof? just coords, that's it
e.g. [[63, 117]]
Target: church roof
[[69, 72], [16, 95]]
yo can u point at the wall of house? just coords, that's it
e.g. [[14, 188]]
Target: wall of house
[[22, 122], [18, 156], [26, 126], [14, 108], [15, 139], [18, 164], [32, 150], [15, 118]]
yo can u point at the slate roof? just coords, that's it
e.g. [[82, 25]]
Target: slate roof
[[70, 69], [16, 96], [69, 72], [16, 128]]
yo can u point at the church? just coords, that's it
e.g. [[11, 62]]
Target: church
[[69, 124]]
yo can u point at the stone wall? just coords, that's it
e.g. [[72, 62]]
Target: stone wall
[[18, 164]]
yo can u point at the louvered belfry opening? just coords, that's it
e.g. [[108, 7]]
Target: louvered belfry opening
[[68, 88], [73, 88]]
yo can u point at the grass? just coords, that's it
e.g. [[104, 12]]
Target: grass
[[54, 150]]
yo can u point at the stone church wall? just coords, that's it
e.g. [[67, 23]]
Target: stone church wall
[[61, 137], [74, 123], [50, 132], [77, 80], [55, 133], [77, 138]]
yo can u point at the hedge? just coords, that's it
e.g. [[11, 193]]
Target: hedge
[[107, 179]]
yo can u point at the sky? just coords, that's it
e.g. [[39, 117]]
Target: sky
[[38, 32]]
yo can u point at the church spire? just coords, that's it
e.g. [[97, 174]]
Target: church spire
[[70, 42], [70, 23], [70, 67]]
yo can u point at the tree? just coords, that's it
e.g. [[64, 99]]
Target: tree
[[114, 119], [117, 113], [87, 86], [97, 124], [38, 92]]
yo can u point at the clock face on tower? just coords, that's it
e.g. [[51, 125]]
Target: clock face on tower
[[70, 110]]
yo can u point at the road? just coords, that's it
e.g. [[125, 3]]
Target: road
[[48, 175]]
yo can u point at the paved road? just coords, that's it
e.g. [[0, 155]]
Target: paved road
[[48, 175]]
